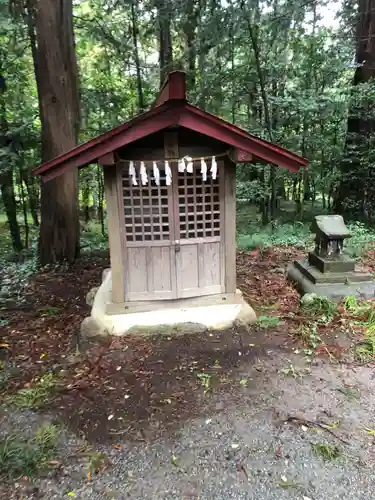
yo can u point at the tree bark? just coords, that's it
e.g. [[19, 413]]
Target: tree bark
[[356, 186], [136, 57], [6, 184], [165, 38], [56, 75]]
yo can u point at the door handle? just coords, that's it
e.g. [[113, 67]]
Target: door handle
[[177, 246]]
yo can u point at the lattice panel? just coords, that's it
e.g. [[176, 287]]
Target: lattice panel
[[199, 205], [146, 208]]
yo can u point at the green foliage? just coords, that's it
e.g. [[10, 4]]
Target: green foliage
[[92, 238], [205, 380], [326, 451], [309, 334], [362, 239], [365, 350], [268, 321], [320, 307], [36, 395], [297, 235], [25, 457]]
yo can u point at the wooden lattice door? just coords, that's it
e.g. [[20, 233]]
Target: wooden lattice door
[[173, 236], [150, 250], [199, 263]]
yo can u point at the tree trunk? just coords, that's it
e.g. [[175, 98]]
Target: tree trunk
[[136, 57], [189, 29], [355, 183], [165, 38], [6, 183], [33, 196], [56, 75]]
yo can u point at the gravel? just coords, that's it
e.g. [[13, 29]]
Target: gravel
[[243, 450]]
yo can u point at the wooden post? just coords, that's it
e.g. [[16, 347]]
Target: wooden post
[[230, 226], [115, 232]]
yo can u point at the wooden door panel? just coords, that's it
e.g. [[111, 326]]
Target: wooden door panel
[[150, 272], [199, 262], [209, 265], [198, 269]]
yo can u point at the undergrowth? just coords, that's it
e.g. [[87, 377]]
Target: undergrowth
[[251, 235], [326, 451], [26, 456], [35, 396], [319, 307], [364, 315]]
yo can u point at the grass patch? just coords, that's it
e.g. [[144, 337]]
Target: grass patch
[[326, 451], [320, 307], [96, 462], [365, 350], [205, 380], [308, 333], [36, 396], [25, 457], [268, 321], [296, 234], [351, 394], [7, 371]]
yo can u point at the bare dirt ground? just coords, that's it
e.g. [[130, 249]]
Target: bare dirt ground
[[225, 415]]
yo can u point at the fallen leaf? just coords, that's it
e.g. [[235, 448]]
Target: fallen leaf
[[89, 476], [284, 479], [244, 382], [278, 451], [234, 446], [174, 460], [71, 494], [304, 428], [4, 346], [110, 417]]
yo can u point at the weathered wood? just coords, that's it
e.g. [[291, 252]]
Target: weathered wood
[[221, 166], [115, 234], [230, 226], [174, 87], [107, 159], [184, 303], [239, 156], [150, 267]]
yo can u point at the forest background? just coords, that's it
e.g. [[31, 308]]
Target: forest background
[[296, 72]]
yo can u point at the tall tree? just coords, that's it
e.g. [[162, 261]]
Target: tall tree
[[52, 37], [355, 193], [6, 173], [164, 19]]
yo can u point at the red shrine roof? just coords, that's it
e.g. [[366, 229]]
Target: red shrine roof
[[170, 109]]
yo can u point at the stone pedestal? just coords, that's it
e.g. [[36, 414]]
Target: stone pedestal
[[328, 271], [170, 317]]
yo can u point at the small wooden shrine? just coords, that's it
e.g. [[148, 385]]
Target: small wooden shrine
[[170, 191]]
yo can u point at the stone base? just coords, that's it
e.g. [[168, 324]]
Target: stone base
[[337, 291], [167, 318]]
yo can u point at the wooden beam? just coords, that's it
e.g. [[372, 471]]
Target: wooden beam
[[230, 226], [240, 156], [115, 233], [174, 88], [107, 159]]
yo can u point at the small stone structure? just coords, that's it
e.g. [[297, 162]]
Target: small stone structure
[[328, 271], [170, 182]]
